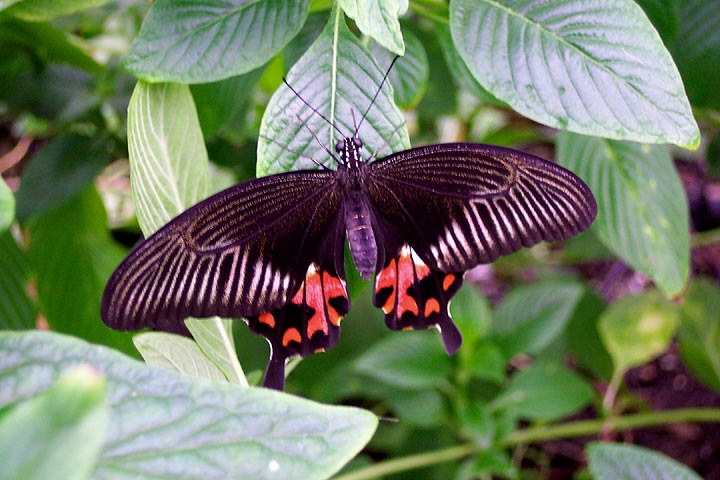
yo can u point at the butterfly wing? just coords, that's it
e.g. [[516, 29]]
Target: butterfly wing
[[454, 206], [244, 252]]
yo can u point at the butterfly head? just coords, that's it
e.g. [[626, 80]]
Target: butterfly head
[[349, 150]]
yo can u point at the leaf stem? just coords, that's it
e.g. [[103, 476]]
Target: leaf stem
[[537, 434]]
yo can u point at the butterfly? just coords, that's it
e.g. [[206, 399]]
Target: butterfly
[[271, 250]]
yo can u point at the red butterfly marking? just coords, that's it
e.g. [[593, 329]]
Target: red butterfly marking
[[316, 294]]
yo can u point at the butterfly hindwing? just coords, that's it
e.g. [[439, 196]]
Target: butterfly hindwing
[[414, 296], [460, 205], [310, 321]]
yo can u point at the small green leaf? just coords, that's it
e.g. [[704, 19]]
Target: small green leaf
[[62, 169], [40, 10], [200, 41], [409, 76], [636, 329], [630, 462], [17, 312], [163, 423], [168, 160], [176, 353], [531, 317], [642, 206], [215, 338], [409, 360], [697, 50], [583, 338], [476, 421], [472, 314], [57, 433], [545, 391], [379, 19], [422, 408], [7, 206], [577, 67], [485, 361], [699, 333], [338, 89]]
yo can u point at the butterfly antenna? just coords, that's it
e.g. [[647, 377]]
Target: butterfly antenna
[[372, 102], [313, 109], [317, 139], [295, 152]]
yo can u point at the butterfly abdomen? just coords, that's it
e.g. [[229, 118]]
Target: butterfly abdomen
[[361, 237]]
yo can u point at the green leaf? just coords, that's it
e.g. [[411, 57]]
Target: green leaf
[[218, 102], [7, 206], [630, 462], [73, 256], [636, 329], [583, 338], [407, 360], [199, 41], [176, 353], [531, 317], [215, 338], [485, 361], [409, 76], [62, 169], [422, 408], [164, 423], [545, 391], [699, 333], [168, 161], [572, 66], [57, 433], [642, 206], [336, 88], [379, 19], [17, 312], [697, 50], [40, 10]]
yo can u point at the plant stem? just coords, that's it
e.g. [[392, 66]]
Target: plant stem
[[537, 434]]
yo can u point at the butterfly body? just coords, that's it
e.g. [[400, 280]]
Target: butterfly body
[[271, 250]]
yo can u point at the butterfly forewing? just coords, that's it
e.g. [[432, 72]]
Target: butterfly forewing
[[241, 252], [460, 205]]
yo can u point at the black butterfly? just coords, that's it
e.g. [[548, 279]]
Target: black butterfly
[[271, 249]]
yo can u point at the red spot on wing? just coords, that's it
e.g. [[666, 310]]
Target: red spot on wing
[[448, 281], [387, 279], [267, 318], [431, 306], [291, 335]]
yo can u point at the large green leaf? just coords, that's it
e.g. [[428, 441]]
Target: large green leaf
[[630, 462], [168, 160], [164, 425], [62, 169], [642, 206], [697, 50], [338, 77], [379, 19], [38, 10], [580, 66], [17, 312], [169, 171], [57, 433], [544, 391], [73, 256], [199, 41], [699, 334]]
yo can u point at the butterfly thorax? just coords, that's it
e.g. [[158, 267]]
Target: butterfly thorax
[[358, 219]]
